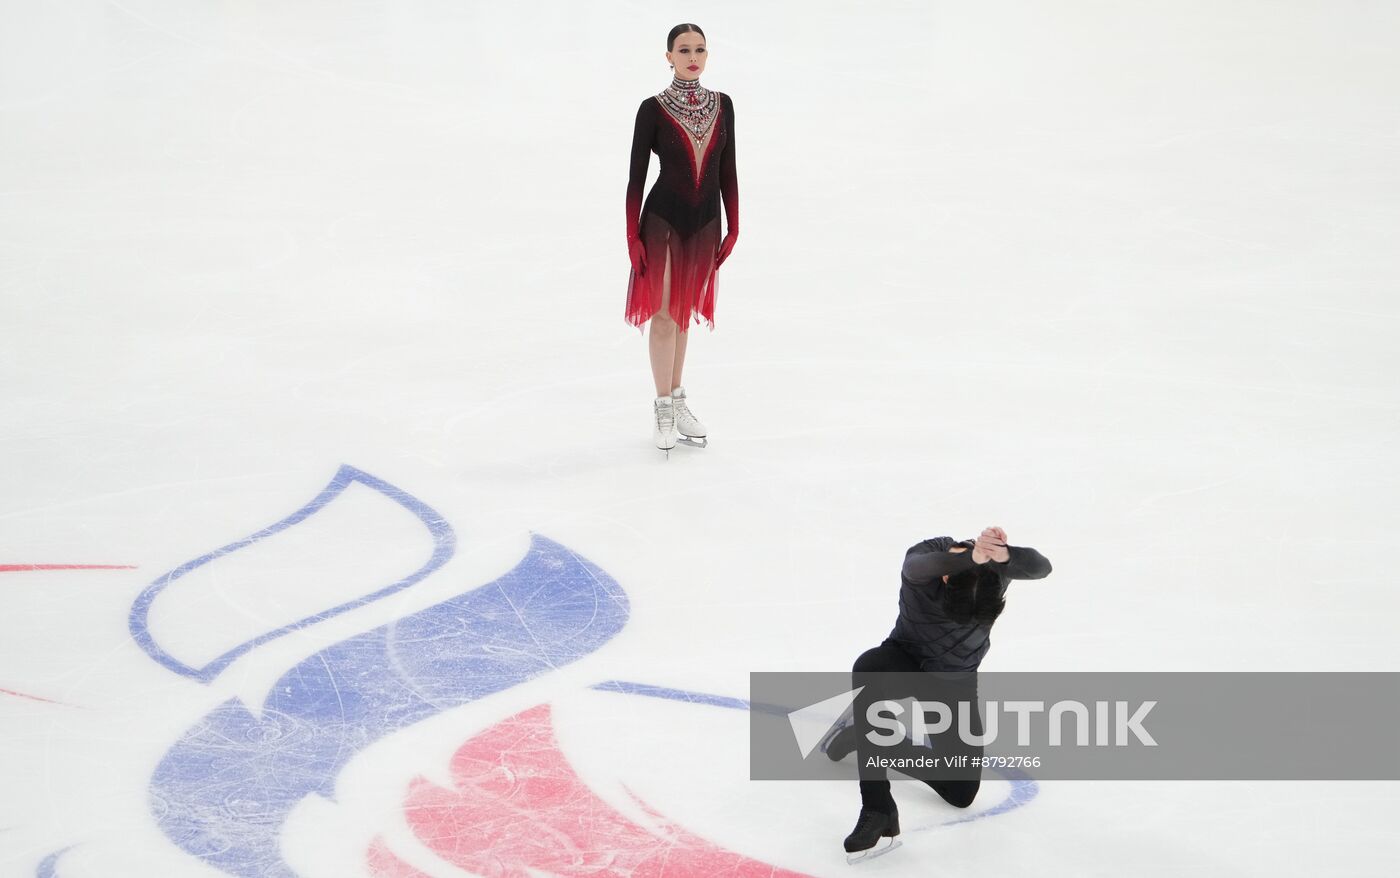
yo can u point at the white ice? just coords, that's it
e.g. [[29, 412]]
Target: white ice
[[1118, 277]]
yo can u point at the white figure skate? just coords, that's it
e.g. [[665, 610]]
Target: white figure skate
[[665, 424], [691, 431]]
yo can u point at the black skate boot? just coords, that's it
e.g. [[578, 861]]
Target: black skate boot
[[839, 742], [865, 841]]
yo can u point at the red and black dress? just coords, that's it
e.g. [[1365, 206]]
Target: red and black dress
[[691, 130]]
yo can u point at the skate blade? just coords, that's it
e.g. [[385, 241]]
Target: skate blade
[[693, 441], [871, 853]]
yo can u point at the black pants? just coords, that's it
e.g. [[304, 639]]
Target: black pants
[[959, 787]]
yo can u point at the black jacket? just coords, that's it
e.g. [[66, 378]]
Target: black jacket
[[948, 631]]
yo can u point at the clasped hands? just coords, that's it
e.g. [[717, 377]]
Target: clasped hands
[[991, 546]]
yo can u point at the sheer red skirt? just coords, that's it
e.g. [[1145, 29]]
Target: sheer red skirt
[[691, 269]]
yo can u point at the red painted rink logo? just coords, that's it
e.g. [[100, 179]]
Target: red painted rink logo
[[517, 808]]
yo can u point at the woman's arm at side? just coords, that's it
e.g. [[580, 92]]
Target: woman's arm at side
[[642, 134], [728, 176]]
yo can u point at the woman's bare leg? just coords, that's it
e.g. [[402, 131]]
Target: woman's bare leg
[[678, 363], [662, 343]]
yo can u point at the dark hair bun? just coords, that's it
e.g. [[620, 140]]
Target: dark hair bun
[[682, 29]]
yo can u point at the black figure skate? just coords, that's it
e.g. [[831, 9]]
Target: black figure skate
[[874, 835], [839, 742]]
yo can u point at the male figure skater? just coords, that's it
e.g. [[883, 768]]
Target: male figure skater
[[950, 594]]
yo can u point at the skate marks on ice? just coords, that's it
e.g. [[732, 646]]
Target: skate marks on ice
[[517, 808], [224, 792], [443, 543]]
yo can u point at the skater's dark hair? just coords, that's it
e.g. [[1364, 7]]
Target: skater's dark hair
[[973, 594], [682, 29]]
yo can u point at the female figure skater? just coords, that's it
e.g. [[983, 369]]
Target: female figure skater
[[673, 240], [950, 594]]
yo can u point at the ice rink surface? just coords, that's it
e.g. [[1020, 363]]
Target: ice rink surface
[[333, 541]]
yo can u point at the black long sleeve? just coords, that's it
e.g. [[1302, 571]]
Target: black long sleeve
[[643, 133], [929, 565], [728, 177], [924, 563], [1025, 563]]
